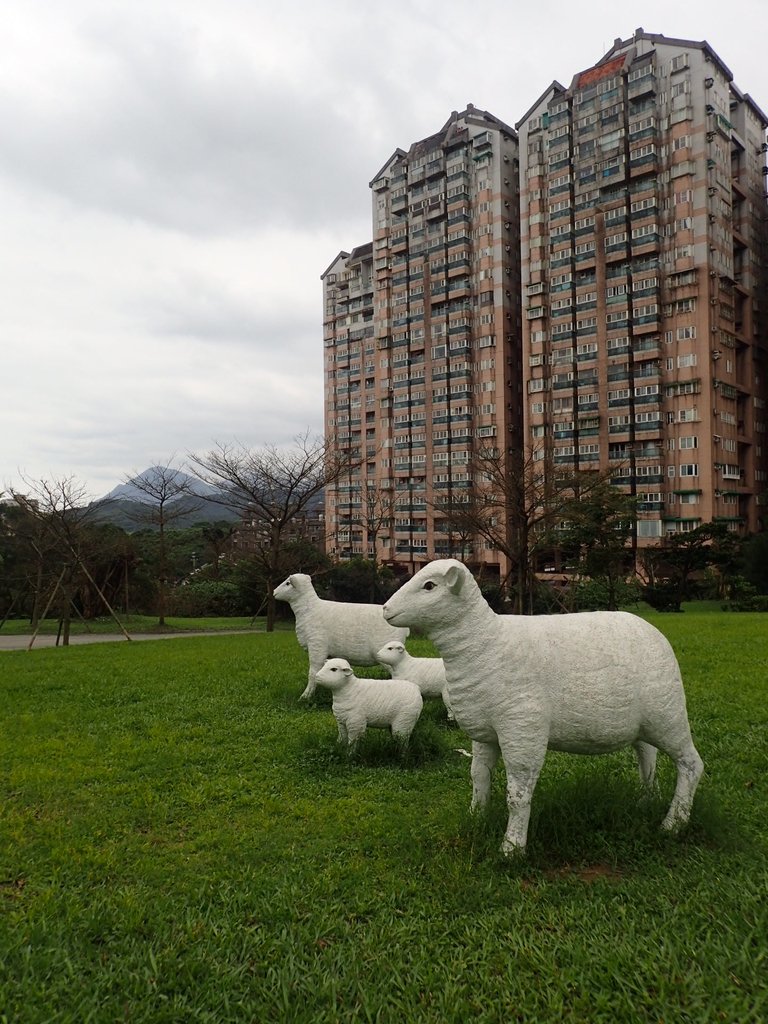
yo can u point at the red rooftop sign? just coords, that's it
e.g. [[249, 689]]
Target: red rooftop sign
[[613, 67]]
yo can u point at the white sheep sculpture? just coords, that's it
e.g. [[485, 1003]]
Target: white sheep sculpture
[[380, 703], [334, 629], [587, 683], [427, 673]]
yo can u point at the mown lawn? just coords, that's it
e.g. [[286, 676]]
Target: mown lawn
[[181, 841]]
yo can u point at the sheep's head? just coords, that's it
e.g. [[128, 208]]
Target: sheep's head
[[430, 597], [296, 584], [334, 673], [391, 653]]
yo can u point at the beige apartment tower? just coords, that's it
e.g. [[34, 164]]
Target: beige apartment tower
[[422, 343], [643, 251]]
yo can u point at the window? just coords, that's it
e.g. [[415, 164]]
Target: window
[[689, 469], [686, 333], [687, 360], [644, 230]]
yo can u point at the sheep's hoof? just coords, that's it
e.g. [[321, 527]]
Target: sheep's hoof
[[673, 825], [512, 851]]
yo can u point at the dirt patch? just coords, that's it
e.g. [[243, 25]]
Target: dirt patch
[[588, 873]]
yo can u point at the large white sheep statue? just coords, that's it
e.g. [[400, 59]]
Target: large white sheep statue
[[587, 683], [381, 703], [334, 629]]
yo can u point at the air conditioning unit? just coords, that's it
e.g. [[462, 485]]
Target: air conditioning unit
[[716, 438]]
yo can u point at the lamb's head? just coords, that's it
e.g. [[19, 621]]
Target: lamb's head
[[335, 673], [391, 653], [435, 596], [293, 587]]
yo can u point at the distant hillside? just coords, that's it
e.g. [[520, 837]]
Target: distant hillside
[[131, 492], [127, 515], [126, 505]]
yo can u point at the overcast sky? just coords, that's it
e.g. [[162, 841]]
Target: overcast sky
[[175, 175]]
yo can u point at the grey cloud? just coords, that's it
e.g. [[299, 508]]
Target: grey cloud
[[163, 142]]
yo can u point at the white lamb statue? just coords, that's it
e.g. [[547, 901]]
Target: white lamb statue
[[587, 683], [427, 673], [334, 629], [380, 703]]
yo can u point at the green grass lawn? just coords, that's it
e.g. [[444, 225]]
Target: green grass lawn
[[181, 840]]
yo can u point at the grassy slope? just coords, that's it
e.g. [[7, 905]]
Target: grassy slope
[[181, 841]]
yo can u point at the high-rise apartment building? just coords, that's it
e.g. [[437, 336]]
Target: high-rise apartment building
[[422, 342], [645, 323]]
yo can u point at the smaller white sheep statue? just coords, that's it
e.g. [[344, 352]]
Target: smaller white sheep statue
[[380, 703], [334, 629], [427, 673]]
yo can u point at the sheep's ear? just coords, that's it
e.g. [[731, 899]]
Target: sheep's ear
[[347, 671], [454, 578]]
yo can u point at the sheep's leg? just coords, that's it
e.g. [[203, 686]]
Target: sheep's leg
[[689, 770], [484, 758], [342, 737], [523, 767], [317, 659], [646, 762]]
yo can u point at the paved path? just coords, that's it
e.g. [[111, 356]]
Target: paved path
[[20, 643]]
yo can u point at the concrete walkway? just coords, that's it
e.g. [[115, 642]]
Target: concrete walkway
[[20, 643]]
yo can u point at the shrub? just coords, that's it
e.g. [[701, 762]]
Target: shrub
[[663, 597], [205, 598], [600, 594]]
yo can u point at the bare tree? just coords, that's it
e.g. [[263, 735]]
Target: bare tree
[[272, 489], [63, 513], [167, 495], [519, 503], [377, 511]]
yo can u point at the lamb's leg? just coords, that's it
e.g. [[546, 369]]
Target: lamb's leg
[[403, 724], [646, 762], [342, 737], [484, 758], [355, 731], [689, 770], [447, 703]]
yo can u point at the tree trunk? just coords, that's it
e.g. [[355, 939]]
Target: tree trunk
[[163, 578], [37, 599]]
